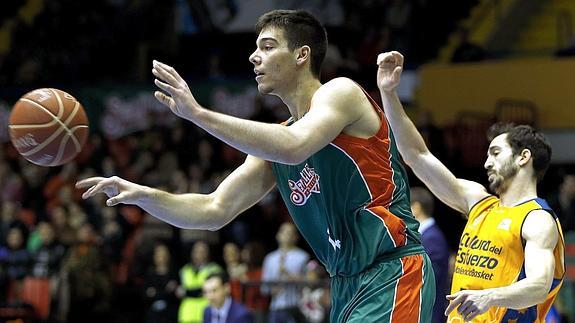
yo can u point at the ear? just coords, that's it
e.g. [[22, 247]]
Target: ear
[[524, 157], [303, 54]]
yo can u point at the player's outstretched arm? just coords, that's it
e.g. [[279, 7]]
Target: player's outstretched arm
[[244, 187], [331, 113], [457, 193], [541, 234]]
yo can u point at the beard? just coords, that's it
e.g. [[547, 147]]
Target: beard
[[501, 179]]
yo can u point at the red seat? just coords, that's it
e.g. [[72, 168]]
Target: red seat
[[36, 291]]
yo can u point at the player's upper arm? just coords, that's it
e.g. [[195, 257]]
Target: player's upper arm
[[541, 235], [457, 193], [336, 104], [243, 188]]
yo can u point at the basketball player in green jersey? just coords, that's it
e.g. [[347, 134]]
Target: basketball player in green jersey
[[334, 162]]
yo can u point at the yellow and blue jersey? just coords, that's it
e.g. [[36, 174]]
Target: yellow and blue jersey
[[491, 254]]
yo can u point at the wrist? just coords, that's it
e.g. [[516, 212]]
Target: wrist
[[388, 92], [494, 297]]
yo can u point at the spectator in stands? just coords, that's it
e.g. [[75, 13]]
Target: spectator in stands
[[435, 245], [87, 280], [15, 259], [563, 203], [234, 267], [315, 302], [222, 308], [62, 228], [47, 258], [192, 277], [253, 256], [8, 218], [160, 287], [45, 267], [285, 265]]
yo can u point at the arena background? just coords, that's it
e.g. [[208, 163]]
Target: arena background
[[468, 64]]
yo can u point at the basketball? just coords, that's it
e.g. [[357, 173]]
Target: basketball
[[48, 127]]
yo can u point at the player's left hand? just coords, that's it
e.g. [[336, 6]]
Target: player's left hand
[[177, 96], [471, 303]]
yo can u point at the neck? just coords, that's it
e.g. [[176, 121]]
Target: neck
[[161, 269], [298, 100], [521, 188], [286, 248]]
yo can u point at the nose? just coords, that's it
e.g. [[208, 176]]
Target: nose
[[254, 58], [488, 163]]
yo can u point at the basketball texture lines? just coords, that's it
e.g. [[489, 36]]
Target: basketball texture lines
[[48, 127]]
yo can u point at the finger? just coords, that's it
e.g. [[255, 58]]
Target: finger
[[397, 57], [383, 58], [120, 198], [163, 98], [471, 315], [465, 308], [170, 70], [397, 72], [454, 303], [99, 188], [87, 182], [164, 86], [165, 75]]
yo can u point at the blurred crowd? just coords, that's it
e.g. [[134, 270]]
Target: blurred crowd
[[70, 42], [64, 259]]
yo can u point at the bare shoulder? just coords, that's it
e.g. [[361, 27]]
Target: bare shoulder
[[337, 89], [540, 226]]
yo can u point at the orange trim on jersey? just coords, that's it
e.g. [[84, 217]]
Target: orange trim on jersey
[[373, 160], [395, 226], [407, 305]]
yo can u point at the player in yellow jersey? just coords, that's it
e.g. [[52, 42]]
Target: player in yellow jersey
[[509, 265]]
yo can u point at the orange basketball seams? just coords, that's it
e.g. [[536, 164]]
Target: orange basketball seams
[[48, 127]]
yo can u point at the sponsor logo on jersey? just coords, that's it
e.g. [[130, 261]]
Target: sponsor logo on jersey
[[305, 186], [505, 224]]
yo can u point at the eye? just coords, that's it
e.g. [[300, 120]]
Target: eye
[[268, 47]]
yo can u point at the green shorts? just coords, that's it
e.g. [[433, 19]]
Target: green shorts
[[394, 290]]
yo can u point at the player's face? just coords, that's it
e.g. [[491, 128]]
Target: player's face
[[274, 63], [500, 164]]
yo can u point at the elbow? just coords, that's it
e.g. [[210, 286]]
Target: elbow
[[540, 294], [292, 155], [414, 157]]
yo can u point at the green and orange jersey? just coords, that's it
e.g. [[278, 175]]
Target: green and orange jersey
[[492, 254], [350, 201]]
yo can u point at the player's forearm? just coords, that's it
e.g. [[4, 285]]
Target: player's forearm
[[271, 142], [522, 294], [409, 141], [187, 211]]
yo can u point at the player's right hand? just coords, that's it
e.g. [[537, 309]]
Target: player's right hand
[[117, 189], [389, 71], [175, 93]]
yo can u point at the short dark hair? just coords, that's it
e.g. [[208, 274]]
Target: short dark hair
[[300, 28], [221, 275], [423, 197], [522, 137]]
